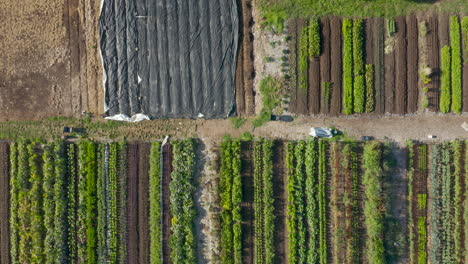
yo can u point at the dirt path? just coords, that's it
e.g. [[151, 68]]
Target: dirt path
[[143, 202], [412, 64], [133, 230], [280, 205], [4, 203]]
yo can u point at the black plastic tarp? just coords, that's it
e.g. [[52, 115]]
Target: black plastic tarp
[[170, 58]]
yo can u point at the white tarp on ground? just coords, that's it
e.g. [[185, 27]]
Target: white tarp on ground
[[134, 118], [323, 132]]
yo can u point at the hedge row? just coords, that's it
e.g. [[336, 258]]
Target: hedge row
[[457, 64], [446, 93]]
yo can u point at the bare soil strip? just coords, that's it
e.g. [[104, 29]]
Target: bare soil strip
[[166, 208], [379, 38], [248, 57], [400, 62], [4, 203], [465, 85], [325, 65], [280, 205], [412, 63], [433, 61], [314, 86], [369, 40], [240, 96], [143, 202], [133, 230], [301, 98], [336, 65]]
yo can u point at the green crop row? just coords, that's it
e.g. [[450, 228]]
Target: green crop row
[[447, 193], [102, 200], [410, 173], [291, 207], [457, 64], [422, 240], [374, 217], [435, 205], [348, 71], [314, 38], [72, 202], [113, 191], [231, 198], [465, 204], [359, 89], [300, 200], [182, 188], [370, 88], [322, 200], [457, 199], [264, 202], [311, 164], [446, 93], [155, 198]]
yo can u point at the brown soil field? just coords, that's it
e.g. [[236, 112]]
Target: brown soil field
[[412, 63], [325, 62], [433, 61], [247, 209], [122, 205], [4, 204], [336, 65], [400, 66], [143, 202], [369, 40], [133, 230], [280, 196], [379, 38], [50, 59], [167, 216], [313, 105]]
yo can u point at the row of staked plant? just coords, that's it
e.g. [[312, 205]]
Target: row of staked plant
[[446, 206], [451, 96], [358, 78], [307, 201], [264, 224], [231, 199], [66, 202]]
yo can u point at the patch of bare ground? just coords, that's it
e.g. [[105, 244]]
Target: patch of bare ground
[[208, 203], [266, 44]]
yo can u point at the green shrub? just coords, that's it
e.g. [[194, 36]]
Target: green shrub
[[457, 67], [391, 27], [445, 94], [358, 66], [348, 66], [370, 89], [314, 38]]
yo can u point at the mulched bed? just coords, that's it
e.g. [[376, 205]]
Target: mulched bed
[[336, 64], [412, 63], [400, 66]]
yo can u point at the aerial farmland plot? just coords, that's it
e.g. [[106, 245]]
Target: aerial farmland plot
[[234, 131]]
